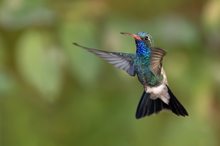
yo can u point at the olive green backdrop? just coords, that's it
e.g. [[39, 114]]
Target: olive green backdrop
[[55, 94]]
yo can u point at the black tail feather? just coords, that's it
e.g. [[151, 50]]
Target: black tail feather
[[175, 105], [148, 106]]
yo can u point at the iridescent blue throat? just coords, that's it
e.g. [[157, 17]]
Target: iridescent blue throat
[[142, 49]]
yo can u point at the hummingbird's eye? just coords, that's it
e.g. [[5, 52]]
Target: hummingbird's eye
[[146, 38]]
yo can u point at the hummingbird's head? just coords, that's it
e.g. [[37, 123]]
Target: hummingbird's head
[[141, 37]]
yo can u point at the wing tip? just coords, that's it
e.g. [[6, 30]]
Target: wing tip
[[76, 44]]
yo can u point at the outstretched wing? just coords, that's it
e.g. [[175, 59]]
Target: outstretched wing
[[157, 55], [124, 61]]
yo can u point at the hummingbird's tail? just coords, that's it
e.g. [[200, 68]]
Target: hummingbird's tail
[[147, 106]]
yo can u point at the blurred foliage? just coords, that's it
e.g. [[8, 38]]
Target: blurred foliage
[[55, 94]]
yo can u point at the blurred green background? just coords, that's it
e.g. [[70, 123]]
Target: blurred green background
[[55, 94]]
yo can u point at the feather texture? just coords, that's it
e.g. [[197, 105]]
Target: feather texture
[[157, 55], [120, 60]]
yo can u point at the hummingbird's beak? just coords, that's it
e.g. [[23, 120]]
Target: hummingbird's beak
[[136, 37]]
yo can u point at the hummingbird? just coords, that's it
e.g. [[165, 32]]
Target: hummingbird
[[146, 64]]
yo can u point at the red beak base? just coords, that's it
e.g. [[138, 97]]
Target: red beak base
[[136, 37]]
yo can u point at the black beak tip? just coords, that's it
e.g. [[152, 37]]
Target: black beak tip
[[123, 33]]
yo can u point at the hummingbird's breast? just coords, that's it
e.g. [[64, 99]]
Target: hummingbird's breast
[[143, 67], [144, 73]]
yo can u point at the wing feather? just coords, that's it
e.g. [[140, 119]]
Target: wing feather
[[124, 61], [157, 55]]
